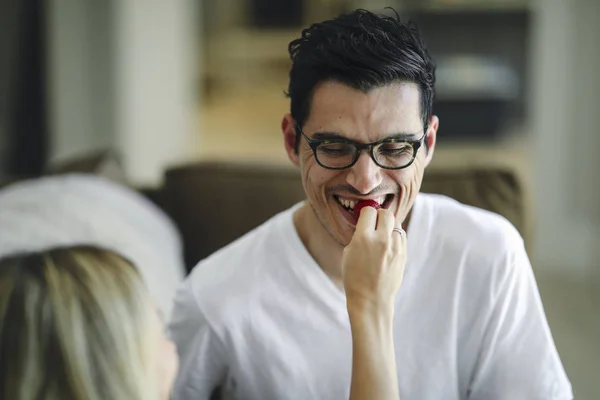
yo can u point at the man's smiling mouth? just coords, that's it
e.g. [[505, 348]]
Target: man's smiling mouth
[[349, 203]]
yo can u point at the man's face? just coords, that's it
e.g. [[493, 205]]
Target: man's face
[[363, 118]]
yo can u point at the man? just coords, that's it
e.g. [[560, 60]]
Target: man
[[266, 317]]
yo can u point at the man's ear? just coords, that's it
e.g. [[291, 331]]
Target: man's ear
[[431, 138], [288, 128]]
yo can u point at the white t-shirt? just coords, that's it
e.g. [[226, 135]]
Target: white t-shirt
[[260, 319]]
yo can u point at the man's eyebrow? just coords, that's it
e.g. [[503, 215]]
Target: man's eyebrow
[[328, 136], [410, 136]]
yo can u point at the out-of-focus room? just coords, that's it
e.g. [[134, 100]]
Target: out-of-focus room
[[182, 102]]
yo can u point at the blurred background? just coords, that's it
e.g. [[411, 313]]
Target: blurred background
[[165, 83]]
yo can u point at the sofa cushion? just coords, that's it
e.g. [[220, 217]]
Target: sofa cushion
[[215, 203]]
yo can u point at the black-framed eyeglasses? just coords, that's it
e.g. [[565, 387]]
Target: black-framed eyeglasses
[[391, 153]]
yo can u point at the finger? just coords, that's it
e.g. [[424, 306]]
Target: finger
[[398, 241], [367, 220], [385, 221], [344, 256]]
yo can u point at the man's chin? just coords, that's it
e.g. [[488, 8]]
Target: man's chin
[[342, 233]]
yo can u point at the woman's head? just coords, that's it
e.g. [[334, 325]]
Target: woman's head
[[78, 323]]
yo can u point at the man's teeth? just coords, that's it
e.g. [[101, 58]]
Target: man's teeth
[[348, 203], [352, 203]]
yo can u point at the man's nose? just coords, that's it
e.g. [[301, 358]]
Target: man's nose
[[365, 175]]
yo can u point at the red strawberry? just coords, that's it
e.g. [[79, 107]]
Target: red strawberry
[[365, 203]]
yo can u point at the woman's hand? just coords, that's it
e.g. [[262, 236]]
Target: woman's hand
[[373, 262], [373, 267]]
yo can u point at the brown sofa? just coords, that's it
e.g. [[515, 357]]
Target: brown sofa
[[213, 203]]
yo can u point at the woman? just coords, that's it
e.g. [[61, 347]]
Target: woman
[[78, 324]]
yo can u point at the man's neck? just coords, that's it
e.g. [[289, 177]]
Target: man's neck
[[323, 248]]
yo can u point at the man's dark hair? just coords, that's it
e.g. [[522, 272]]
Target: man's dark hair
[[362, 50]]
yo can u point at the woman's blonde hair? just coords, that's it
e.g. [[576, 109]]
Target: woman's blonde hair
[[74, 325]]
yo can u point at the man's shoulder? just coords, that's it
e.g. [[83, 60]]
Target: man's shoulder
[[472, 227], [478, 247], [231, 277], [243, 255]]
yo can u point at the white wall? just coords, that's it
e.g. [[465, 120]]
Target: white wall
[[565, 103], [81, 87], [123, 75], [156, 84]]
